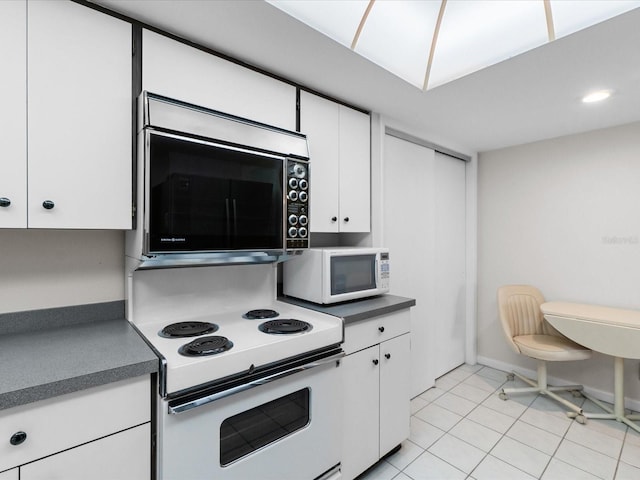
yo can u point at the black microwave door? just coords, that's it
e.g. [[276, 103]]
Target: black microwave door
[[190, 213], [209, 197], [257, 215]]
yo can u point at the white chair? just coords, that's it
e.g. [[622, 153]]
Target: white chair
[[529, 334]]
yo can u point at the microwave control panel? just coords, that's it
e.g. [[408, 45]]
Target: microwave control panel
[[297, 204], [384, 270]]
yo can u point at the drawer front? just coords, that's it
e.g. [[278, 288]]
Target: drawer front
[[123, 456], [63, 422], [9, 475], [363, 334]]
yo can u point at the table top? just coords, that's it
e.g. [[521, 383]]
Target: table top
[[593, 313], [608, 330]]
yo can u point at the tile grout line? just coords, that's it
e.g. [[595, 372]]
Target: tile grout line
[[456, 382]]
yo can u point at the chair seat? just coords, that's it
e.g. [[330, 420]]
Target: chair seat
[[551, 348]]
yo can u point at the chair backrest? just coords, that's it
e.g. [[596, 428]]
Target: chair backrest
[[520, 314]]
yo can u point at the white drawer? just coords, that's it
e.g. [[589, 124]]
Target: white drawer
[[63, 422], [363, 334]]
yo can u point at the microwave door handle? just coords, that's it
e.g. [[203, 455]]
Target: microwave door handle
[[377, 270], [235, 219], [226, 202]]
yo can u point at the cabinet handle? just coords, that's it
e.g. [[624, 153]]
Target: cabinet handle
[[375, 361], [48, 204], [381, 329], [18, 438], [387, 356], [334, 219], [346, 219], [4, 202]]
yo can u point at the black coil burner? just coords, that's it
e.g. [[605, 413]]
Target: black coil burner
[[260, 314], [187, 329], [284, 326], [204, 346]]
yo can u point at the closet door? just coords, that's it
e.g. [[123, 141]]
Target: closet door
[[409, 219], [424, 228], [450, 233]]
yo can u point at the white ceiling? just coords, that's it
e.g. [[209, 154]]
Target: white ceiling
[[532, 96]]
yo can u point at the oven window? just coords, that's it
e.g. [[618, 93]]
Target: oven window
[[248, 431]]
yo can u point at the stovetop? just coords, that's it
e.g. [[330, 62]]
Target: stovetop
[[237, 340]]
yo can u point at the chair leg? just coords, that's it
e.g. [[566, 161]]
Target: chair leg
[[540, 386]]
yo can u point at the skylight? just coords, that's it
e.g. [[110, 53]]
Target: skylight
[[431, 42]]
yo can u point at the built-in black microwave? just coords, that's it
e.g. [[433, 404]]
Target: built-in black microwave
[[219, 188]]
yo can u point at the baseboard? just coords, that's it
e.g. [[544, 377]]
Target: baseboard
[[602, 395]]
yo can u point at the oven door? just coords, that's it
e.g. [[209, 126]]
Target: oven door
[[289, 427]]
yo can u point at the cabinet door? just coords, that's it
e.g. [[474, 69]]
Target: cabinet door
[[185, 73], [10, 475], [13, 114], [79, 117], [395, 360], [360, 447], [355, 171], [123, 456], [320, 122]]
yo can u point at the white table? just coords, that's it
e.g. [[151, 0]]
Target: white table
[[612, 331]]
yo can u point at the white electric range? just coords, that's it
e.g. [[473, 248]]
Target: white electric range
[[240, 397]]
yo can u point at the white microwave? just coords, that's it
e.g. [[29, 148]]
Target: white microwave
[[337, 274]]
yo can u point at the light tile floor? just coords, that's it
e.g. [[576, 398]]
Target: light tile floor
[[460, 429]]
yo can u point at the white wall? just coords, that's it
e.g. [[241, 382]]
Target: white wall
[[563, 215], [54, 268]]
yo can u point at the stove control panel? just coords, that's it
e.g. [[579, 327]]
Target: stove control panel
[[297, 204]]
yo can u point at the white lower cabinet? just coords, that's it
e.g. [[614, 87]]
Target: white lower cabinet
[[98, 433], [376, 390], [122, 456], [10, 475]]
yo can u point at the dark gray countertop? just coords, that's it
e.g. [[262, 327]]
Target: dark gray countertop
[[356, 310], [46, 353]]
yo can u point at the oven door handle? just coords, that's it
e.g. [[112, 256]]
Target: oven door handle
[[183, 407]]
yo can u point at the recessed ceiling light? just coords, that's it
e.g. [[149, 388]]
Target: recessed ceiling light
[[596, 96]]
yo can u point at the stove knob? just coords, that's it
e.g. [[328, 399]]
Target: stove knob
[[375, 361], [303, 220], [303, 196], [293, 195], [293, 183], [4, 202], [334, 219], [18, 438], [302, 232], [293, 232], [303, 184], [293, 219]]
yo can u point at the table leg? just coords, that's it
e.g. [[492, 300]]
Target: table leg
[[618, 385]]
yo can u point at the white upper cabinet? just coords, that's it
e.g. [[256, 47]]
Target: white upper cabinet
[[79, 117], [339, 145], [185, 73], [13, 115]]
